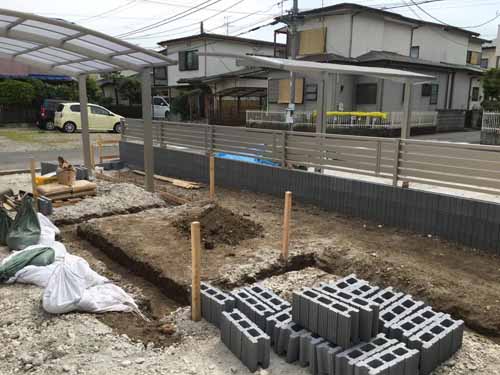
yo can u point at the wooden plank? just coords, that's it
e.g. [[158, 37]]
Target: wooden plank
[[174, 181]]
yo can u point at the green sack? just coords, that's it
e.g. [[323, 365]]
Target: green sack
[[42, 256], [25, 230], [5, 225]]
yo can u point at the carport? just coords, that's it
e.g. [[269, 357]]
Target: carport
[[62, 47]]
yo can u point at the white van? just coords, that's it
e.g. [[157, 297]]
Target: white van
[[161, 107]]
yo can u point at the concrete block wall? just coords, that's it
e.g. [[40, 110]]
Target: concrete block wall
[[214, 302], [252, 306], [470, 222]]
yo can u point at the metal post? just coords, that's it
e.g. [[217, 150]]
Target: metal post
[[84, 119], [147, 117], [320, 117], [397, 149], [406, 120], [293, 53]]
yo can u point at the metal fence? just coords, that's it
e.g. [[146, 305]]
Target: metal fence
[[338, 120], [491, 122], [459, 166]]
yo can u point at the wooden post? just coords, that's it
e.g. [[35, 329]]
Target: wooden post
[[195, 282], [286, 226], [92, 155], [212, 177], [33, 177], [99, 146]]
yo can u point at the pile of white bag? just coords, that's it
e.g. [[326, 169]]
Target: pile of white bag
[[70, 284]]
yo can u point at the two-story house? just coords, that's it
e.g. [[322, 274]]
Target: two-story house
[[490, 57], [355, 34], [217, 83]]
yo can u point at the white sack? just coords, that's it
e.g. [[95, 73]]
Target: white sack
[[48, 230], [105, 298]]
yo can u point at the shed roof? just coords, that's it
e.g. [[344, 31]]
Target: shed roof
[[63, 47]]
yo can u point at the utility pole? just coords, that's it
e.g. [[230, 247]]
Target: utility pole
[[201, 28], [293, 55], [227, 24]]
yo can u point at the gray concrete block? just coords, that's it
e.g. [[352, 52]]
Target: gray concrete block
[[47, 167], [413, 323], [398, 311], [45, 205], [289, 341], [325, 357], [268, 297], [345, 361], [386, 297], [394, 360], [308, 352], [274, 321], [82, 173], [214, 302], [254, 309]]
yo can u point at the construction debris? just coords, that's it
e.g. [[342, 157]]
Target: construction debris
[[174, 181]]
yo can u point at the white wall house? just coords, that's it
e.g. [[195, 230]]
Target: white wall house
[[490, 53], [355, 34]]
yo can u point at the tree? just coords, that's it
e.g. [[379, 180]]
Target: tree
[[491, 88], [16, 92], [130, 88]]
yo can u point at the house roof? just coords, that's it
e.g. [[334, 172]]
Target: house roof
[[490, 44], [328, 58], [245, 73], [350, 7], [219, 37], [376, 56], [62, 47]]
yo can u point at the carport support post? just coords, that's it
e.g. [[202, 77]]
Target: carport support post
[[84, 119], [147, 117], [406, 120]]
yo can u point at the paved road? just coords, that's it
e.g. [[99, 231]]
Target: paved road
[[21, 160]]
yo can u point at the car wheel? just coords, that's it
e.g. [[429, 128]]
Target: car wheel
[[49, 125], [117, 128], [69, 127]]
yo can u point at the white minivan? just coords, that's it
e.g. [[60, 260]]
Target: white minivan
[[161, 107]]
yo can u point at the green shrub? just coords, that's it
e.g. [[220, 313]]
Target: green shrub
[[16, 92]]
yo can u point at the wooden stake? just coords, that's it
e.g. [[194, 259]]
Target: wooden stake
[[99, 145], [92, 155], [286, 225], [212, 178], [196, 272], [33, 176]]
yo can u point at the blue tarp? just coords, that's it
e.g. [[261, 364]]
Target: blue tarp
[[247, 159]]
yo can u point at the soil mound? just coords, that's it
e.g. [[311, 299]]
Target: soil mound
[[219, 226]]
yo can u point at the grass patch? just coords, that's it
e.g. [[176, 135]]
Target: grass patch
[[22, 135]]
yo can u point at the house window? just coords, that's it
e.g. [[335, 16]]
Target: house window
[[426, 90], [366, 93], [434, 94], [475, 94], [415, 52], [273, 90], [484, 63], [160, 75], [188, 60], [473, 57], [311, 92]]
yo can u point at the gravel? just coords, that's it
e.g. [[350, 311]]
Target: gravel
[[111, 199]]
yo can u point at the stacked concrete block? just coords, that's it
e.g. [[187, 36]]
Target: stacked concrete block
[[368, 310], [308, 351], [398, 311], [47, 167], [354, 285], [437, 342], [247, 341], [386, 297], [45, 205], [334, 320], [288, 341], [275, 322], [214, 302], [252, 307], [82, 173], [413, 324], [268, 297], [397, 359], [325, 357], [346, 361]]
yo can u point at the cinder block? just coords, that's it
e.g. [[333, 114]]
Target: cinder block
[[398, 311], [413, 323], [245, 340], [214, 302], [47, 167], [274, 321], [345, 361], [325, 357], [386, 297], [268, 297], [45, 205], [255, 310], [289, 341], [307, 351], [397, 359]]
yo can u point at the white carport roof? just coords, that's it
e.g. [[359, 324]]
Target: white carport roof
[[65, 48], [312, 67]]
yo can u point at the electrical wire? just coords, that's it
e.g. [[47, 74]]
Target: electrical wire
[[115, 9]]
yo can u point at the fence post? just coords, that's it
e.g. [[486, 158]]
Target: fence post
[[379, 156], [283, 156], [212, 134], [274, 147], [195, 271], [286, 226], [397, 149], [212, 177], [162, 134]]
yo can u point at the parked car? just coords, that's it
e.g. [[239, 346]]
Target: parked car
[[67, 118], [45, 117], [161, 107]]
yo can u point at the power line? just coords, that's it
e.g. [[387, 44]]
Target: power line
[[188, 6], [175, 17], [115, 9]]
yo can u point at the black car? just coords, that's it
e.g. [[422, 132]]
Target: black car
[[45, 118]]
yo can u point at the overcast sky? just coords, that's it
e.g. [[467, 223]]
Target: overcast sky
[[116, 17]]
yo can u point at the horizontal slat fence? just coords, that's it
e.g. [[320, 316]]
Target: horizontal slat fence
[[459, 166]]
